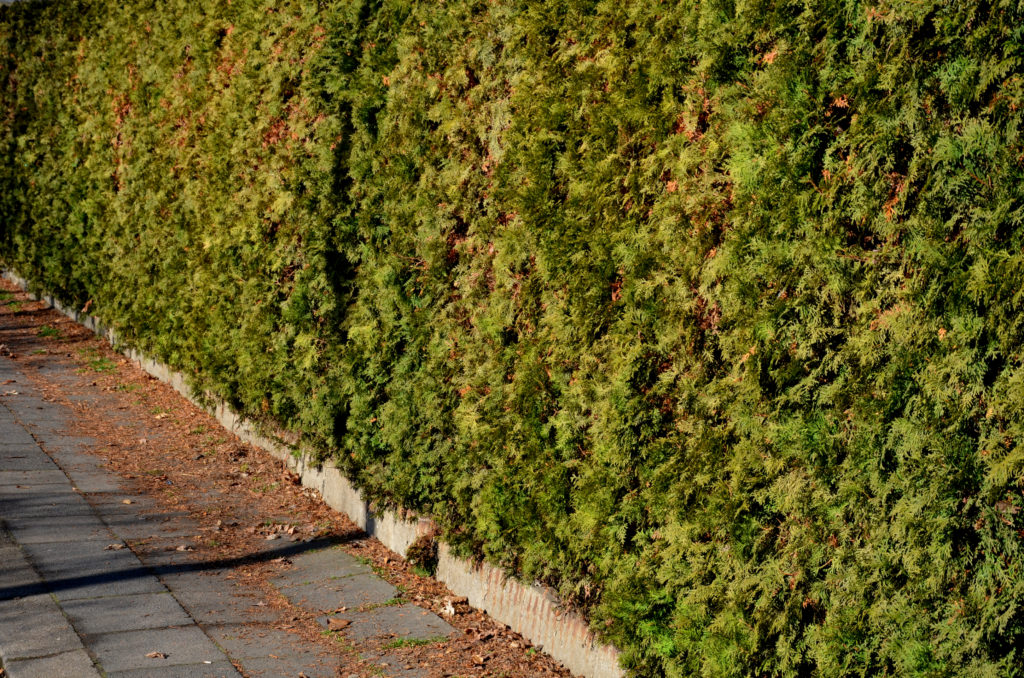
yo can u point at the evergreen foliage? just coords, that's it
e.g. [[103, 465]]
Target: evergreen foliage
[[708, 314]]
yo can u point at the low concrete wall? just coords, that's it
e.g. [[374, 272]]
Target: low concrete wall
[[531, 611]]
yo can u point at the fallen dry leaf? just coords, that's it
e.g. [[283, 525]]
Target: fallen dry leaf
[[336, 624], [156, 655], [113, 547]]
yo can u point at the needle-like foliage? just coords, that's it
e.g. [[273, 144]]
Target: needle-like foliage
[[708, 314]]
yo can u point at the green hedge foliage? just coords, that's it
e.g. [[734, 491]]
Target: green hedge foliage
[[708, 314]]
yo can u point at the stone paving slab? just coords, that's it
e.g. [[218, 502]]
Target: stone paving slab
[[74, 664], [397, 666], [246, 642], [103, 584], [272, 652], [268, 667], [49, 476], [329, 595], [33, 626], [17, 576], [406, 622], [138, 527], [85, 556], [125, 613], [90, 480], [195, 580], [70, 453], [25, 460], [29, 504], [37, 491], [224, 606], [15, 438], [71, 528], [113, 504], [221, 669], [128, 649], [325, 564]]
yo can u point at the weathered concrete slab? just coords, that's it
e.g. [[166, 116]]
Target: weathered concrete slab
[[125, 613], [394, 665], [48, 476], [212, 670], [91, 479], [74, 664], [149, 526], [17, 576], [128, 649], [35, 490], [86, 556], [34, 627], [42, 504], [330, 563], [329, 595], [407, 622], [270, 652], [270, 667], [71, 528], [25, 460], [223, 606]]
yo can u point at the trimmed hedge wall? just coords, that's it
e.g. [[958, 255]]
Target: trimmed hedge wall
[[708, 314]]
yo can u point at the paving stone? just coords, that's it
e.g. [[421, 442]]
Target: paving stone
[[128, 649], [26, 460], [72, 528], [91, 479], [49, 476], [212, 670], [320, 565], [68, 456], [38, 491], [165, 553], [331, 594], [17, 442], [41, 503], [15, 437], [85, 569], [407, 621], [112, 504], [41, 421], [269, 667], [196, 578], [86, 556], [269, 652], [106, 584], [393, 665], [248, 641], [33, 627], [74, 664], [225, 606], [125, 613], [149, 526], [18, 578]]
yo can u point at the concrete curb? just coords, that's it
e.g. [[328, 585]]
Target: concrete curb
[[532, 611]]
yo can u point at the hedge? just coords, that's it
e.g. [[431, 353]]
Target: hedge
[[707, 314]]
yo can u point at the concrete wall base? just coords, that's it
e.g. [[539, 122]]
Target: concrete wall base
[[532, 611]]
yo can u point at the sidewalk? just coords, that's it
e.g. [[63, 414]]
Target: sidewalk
[[141, 540]]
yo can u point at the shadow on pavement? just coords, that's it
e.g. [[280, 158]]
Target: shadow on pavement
[[68, 583]]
